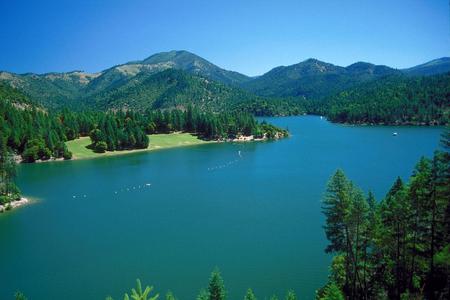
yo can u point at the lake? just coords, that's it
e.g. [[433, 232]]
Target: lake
[[170, 217]]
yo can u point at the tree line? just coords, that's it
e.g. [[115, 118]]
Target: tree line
[[395, 100], [34, 133], [130, 130], [8, 189], [215, 291], [398, 248]]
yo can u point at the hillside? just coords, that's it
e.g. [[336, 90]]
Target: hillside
[[178, 60], [168, 89], [58, 90], [12, 95], [194, 64], [314, 79], [52, 90], [179, 78], [436, 66], [393, 100]]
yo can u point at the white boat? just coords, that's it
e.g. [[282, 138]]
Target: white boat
[[394, 133]]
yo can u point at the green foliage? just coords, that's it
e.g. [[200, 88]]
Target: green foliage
[[36, 134], [290, 295], [359, 93], [434, 67], [216, 287], [249, 295], [314, 79], [169, 89], [338, 270], [393, 100], [52, 90], [445, 139], [216, 290], [331, 292], [202, 295], [141, 294], [31, 131], [189, 62], [8, 188], [170, 296], [100, 147], [19, 296], [396, 249]]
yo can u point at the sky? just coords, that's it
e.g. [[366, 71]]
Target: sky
[[248, 36]]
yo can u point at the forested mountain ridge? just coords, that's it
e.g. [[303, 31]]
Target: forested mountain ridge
[[177, 60], [395, 100], [177, 79], [35, 133], [12, 95], [436, 66], [52, 90], [194, 64], [170, 88], [314, 79], [58, 90]]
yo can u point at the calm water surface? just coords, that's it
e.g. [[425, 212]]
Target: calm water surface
[[96, 225]]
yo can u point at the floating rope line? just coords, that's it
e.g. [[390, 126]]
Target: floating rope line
[[117, 191], [229, 163]]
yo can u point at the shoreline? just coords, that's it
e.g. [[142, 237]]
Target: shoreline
[[157, 147], [162, 143], [150, 148], [14, 204]]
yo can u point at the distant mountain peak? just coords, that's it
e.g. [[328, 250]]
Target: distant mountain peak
[[435, 66], [359, 64], [194, 64], [179, 56]]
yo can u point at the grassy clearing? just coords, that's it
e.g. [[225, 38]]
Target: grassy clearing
[[157, 141]]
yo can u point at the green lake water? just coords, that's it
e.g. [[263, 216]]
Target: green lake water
[[251, 209]]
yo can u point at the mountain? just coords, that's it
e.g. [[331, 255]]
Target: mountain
[[168, 89], [179, 60], [314, 79], [13, 96], [193, 64], [178, 78], [56, 90], [396, 100], [436, 66], [52, 90]]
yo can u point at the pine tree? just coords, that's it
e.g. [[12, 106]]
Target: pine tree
[[170, 296], [216, 288], [336, 207], [249, 295], [202, 295], [290, 295], [140, 294], [331, 292]]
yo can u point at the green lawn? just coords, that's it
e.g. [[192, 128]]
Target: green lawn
[[157, 141]]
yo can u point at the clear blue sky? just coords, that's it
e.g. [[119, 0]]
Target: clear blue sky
[[247, 36]]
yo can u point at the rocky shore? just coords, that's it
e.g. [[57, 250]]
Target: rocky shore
[[13, 204]]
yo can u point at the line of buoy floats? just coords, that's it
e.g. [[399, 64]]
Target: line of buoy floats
[[125, 189], [227, 164], [147, 185]]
